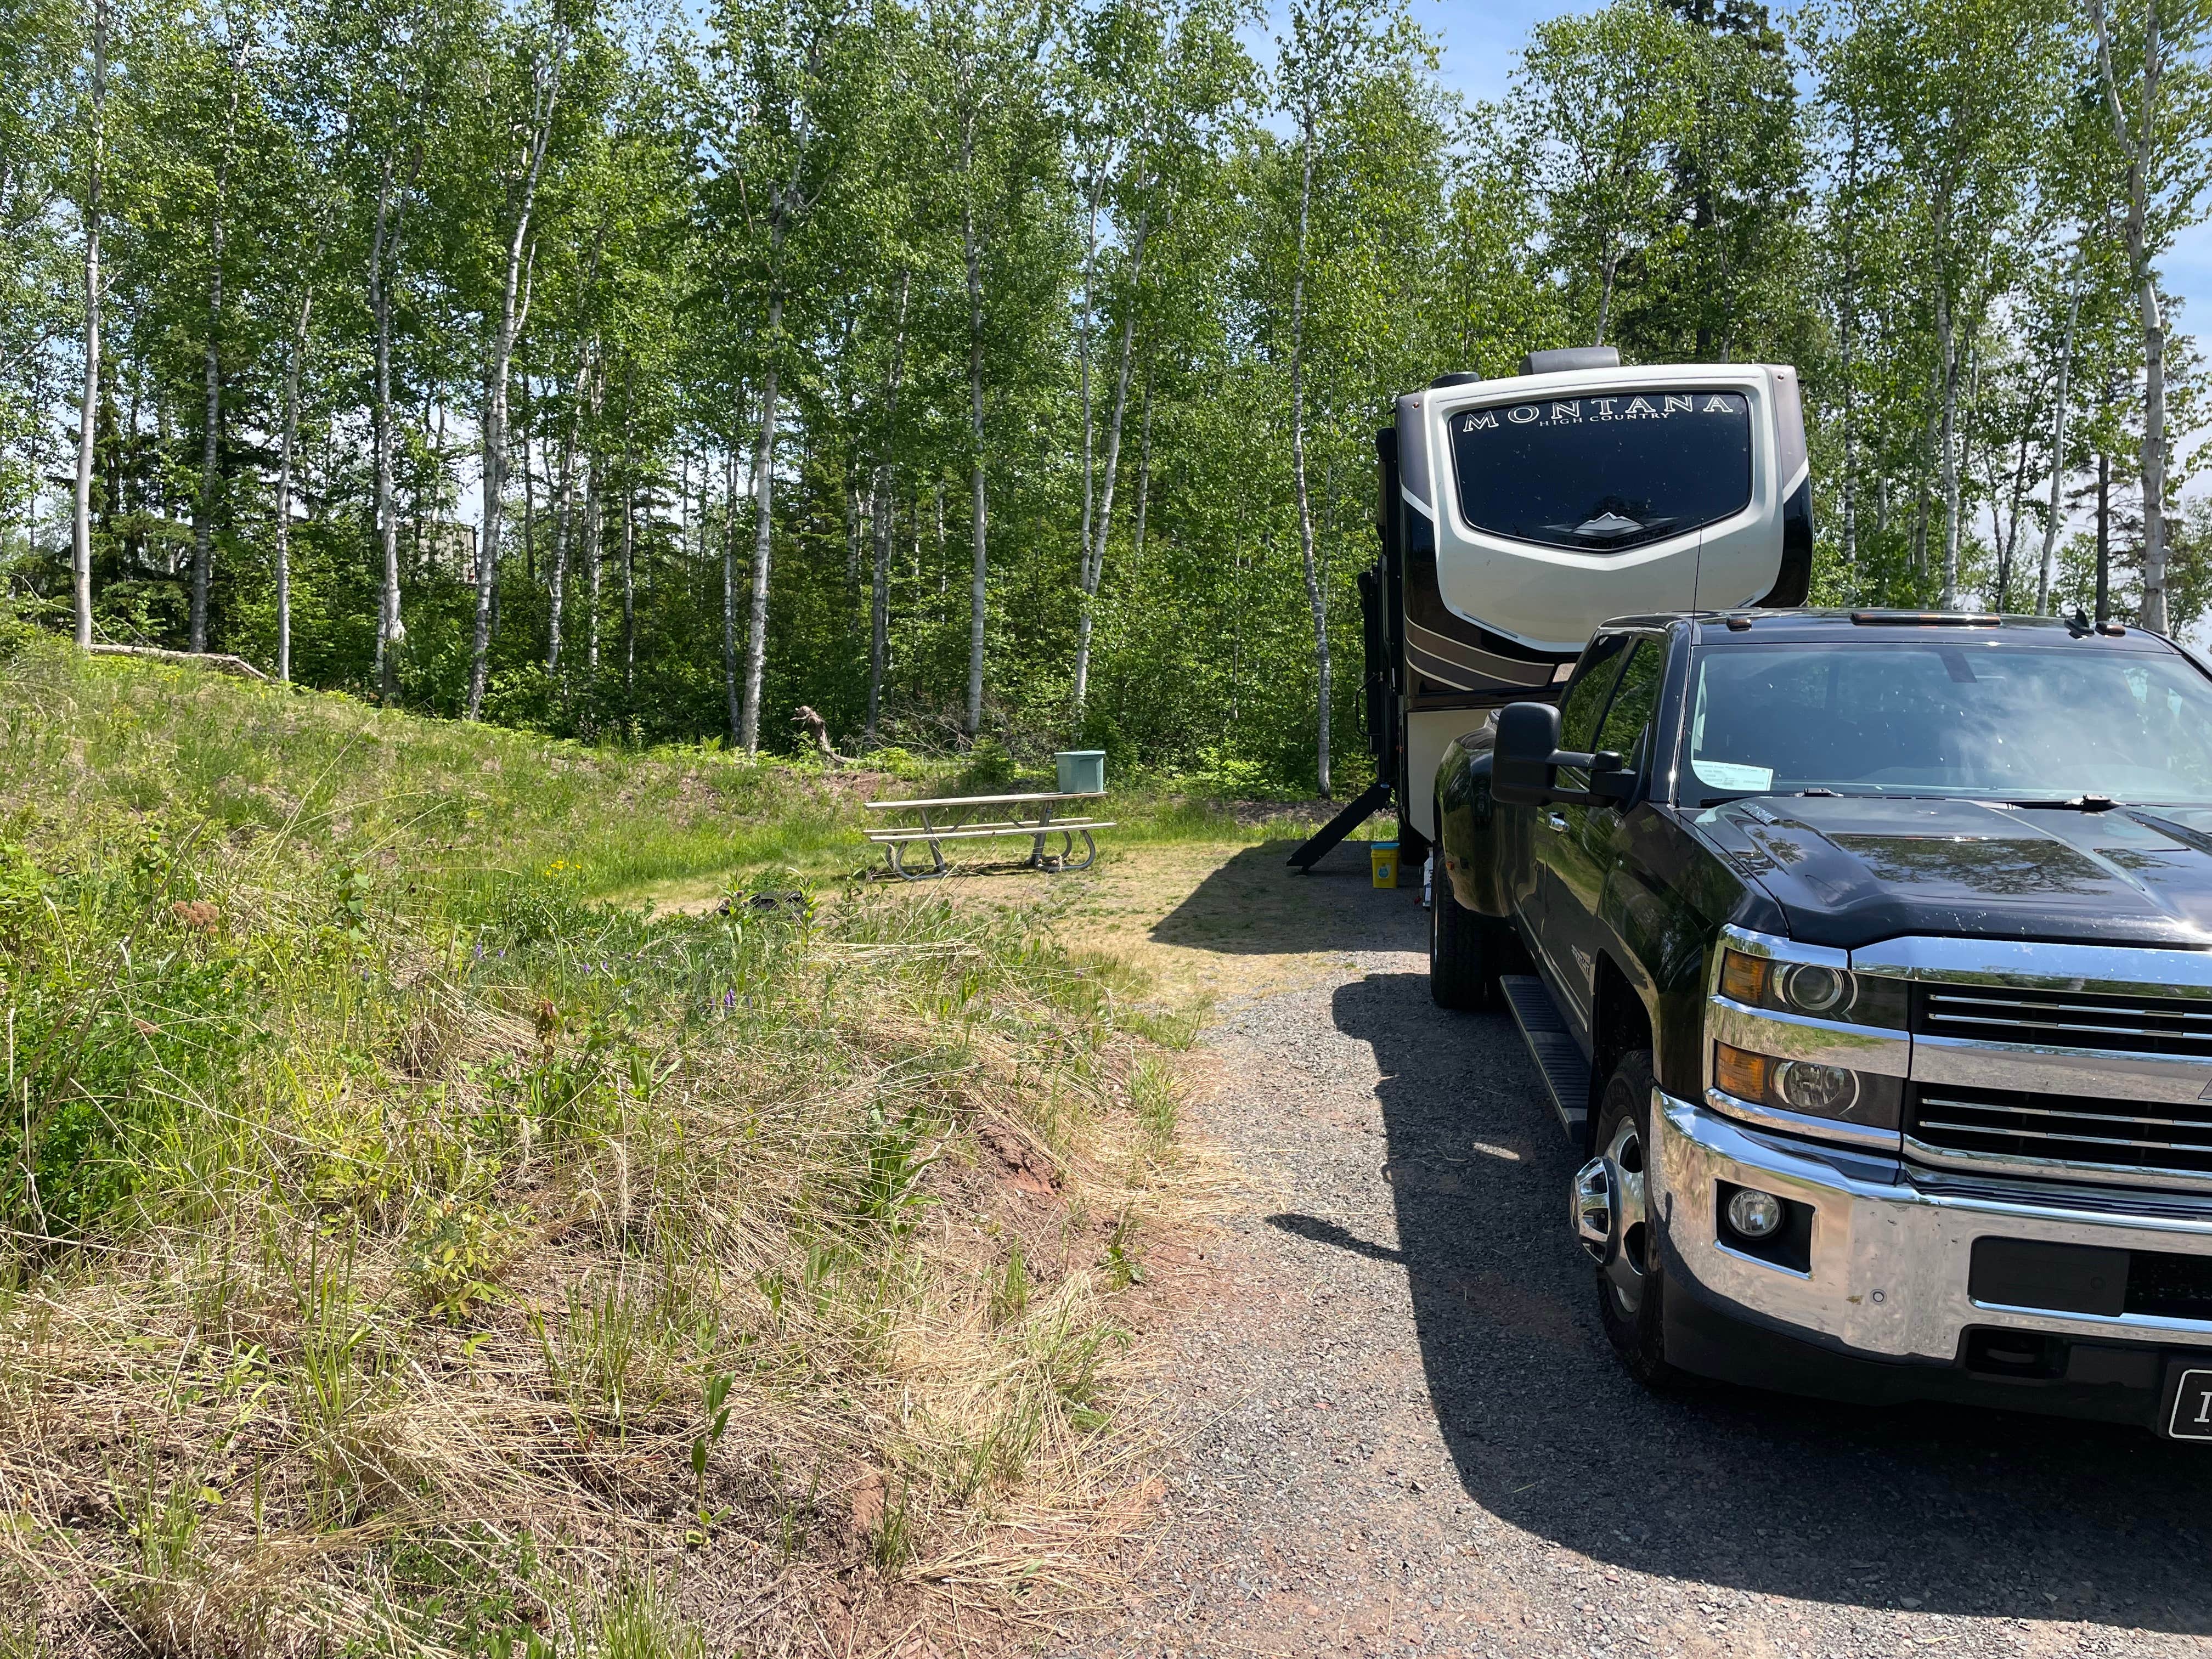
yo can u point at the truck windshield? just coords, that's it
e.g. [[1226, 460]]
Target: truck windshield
[[1607, 473], [2023, 723]]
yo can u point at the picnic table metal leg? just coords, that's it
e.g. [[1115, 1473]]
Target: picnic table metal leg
[[894, 854]]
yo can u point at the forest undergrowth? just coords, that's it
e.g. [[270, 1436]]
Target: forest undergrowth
[[412, 1246]]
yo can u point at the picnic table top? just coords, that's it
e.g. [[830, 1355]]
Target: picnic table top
[[986, 800]]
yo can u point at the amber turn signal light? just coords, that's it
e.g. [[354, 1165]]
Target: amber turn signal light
[[1743, 979], [1739, 1072]]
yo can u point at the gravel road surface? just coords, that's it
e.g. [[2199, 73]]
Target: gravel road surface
[[1399, 1429]]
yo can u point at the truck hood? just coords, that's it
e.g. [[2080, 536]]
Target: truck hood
[[1848, 872]]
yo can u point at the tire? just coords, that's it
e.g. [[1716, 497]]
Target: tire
[[1462, 951], [1631, 1286]]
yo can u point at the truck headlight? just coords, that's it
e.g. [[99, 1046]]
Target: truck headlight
[[1823, 1090], [1809, 1089], [1813, 988]]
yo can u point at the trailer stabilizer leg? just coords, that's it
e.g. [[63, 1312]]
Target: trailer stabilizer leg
[[1376, 797]]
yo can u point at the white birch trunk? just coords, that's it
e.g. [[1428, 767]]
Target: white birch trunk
[[730, 587], [282, 555], [383, 270], [979, 520], [1315, 598], [88, 410], [2139, 146], [880, 512], [594, 563], [628, 549], [1094, 549], [544, 91], [763, 523], [1946, 446], [563, 514], [2059, 446], [203, 508]]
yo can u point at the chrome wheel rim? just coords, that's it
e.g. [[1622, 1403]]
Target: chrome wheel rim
[[1624, 1269], [1607, 1211]]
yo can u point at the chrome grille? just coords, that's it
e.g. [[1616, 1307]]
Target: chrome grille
[[2154, 1137], [2075, 1019]]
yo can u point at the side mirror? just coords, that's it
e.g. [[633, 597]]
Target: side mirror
[[1526, 753]]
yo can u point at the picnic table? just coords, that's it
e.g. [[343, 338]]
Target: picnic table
[[954, 818]]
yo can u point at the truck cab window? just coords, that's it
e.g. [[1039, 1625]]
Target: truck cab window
[[1628, 719], [1585, 700], [1585, 697], [1604, 474]]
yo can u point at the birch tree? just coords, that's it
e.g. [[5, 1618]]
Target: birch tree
[[1157, 85], [982, 56], [546, 61], [2149, 70], [203, 510], [794, 70], [1601, 100], [1328, 43], [1962, 93], [95, 161]]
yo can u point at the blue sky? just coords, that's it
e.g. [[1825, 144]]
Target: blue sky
[[1479, 39]]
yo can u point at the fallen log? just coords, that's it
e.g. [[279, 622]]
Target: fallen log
[[220, 665]]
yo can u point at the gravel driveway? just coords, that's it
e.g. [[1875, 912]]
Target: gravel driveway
[[1399, 1428]]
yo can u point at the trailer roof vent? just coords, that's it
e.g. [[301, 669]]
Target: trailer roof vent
[[1462, 378], [1558, 362]]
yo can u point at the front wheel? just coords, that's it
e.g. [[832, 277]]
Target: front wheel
[[1463, 948], [1613, 1222]]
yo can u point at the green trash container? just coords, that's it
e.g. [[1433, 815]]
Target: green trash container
[[1082, 771]]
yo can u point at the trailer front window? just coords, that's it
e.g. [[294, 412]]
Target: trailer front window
[[1604, 474]]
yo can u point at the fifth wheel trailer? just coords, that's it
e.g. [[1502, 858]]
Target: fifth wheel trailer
[[1516, 515]]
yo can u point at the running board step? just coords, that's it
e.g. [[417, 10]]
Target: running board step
[[1552, 1046]]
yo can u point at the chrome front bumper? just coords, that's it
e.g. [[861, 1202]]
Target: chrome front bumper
[[1890, 1261]]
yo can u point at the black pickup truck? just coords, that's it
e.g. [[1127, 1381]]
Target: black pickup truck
[[1867, 956]]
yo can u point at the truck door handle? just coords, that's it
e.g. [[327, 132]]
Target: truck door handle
[[1555, 821]]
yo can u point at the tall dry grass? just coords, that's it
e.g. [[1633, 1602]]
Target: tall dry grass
[[410, 1249]]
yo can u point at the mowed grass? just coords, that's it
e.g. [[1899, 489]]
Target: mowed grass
[[414, 1245]]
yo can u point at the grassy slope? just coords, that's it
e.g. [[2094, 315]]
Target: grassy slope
[[410, 1250]]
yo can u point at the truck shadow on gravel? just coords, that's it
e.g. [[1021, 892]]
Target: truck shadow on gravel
[[1982, 1513]]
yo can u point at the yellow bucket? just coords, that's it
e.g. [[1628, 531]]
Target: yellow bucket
[[1382, 859]]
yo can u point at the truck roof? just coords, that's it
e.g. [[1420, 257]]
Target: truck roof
[[1807, 626]]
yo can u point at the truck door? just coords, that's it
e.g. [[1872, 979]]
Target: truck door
[[1581, 856], [1542, 902]]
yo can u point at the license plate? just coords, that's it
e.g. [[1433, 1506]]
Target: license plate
[[2189, 1417]]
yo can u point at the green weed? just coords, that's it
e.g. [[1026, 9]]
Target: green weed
[[455, 1258], [599, 1357], [1156, 1099], [325, 1031], [1010, 1297]]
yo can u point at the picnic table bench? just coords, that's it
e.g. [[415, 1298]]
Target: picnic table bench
[[953, 818]]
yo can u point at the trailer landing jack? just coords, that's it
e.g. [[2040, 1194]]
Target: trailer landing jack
[[1376, 797]]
